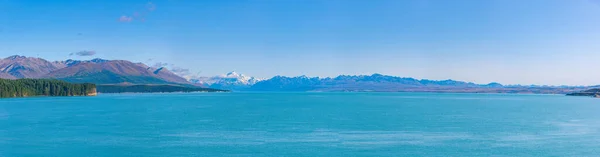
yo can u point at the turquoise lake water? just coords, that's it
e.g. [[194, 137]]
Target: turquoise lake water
[[301, 124]]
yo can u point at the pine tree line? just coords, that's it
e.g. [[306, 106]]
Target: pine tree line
[[43, 87]]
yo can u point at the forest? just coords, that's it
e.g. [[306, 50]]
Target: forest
[[44, 87]]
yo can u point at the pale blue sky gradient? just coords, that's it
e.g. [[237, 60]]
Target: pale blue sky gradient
[[554, 42]]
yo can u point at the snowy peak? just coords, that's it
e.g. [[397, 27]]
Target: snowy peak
[[71, 62], [15, 57], [231, 80], [233, 74], [98, 60]]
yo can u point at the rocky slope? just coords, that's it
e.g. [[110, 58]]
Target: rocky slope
[[26, 67], [6, 76]]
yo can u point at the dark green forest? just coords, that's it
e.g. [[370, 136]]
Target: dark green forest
[[43, 87], [151, 89]]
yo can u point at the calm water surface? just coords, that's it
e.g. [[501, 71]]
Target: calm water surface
[[301, 124]]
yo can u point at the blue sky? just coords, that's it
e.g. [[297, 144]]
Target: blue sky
[[554, 42]]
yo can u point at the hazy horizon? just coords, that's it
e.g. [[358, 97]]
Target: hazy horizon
[[542, 42]]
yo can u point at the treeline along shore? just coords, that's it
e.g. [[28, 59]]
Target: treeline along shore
[[44, 87]]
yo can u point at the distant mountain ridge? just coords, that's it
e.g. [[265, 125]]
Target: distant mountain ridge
[[375, 82], [97, 71], [385, 83]]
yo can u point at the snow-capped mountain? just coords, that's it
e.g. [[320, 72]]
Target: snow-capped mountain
[[231, 81], [375, 82]]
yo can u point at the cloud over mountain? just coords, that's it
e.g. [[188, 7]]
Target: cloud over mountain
[[184, 72], [159, 65], [83, 53], [179, 71]]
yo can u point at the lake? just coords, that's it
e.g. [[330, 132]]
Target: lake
[[301, 124]]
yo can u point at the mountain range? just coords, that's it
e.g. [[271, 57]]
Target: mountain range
[[385, 83], [97, 71], [122, 72]]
